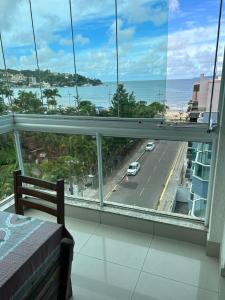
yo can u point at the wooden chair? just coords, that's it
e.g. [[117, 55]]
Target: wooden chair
[[56, 208]]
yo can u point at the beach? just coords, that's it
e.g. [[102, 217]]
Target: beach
[[173, 115]]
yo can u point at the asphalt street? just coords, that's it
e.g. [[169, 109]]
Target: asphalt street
[[145, 188]]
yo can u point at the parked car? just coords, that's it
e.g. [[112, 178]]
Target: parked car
[[150, 146], [133, 168]]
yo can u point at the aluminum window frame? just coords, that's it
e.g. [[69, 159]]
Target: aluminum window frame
[[114, 127]]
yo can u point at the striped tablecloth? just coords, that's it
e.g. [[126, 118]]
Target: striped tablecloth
[[28, 249]]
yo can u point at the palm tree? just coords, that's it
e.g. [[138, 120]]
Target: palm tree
[[5, 93], [50, 95]]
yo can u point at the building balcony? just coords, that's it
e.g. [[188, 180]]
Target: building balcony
[[199, 186], [143, 231], [198, 207], [204, 157], [115, 263]]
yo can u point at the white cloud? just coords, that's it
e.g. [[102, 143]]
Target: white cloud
[[174, 6], [8, 9], [192, 52], [82, 40], [79, 39], [154, 11], [124, 34]]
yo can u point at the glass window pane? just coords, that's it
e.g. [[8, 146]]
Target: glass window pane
[[142, 49], [166, 176], [192, 38], [8, 163], [52, 156], [163, 48], [142, 40]]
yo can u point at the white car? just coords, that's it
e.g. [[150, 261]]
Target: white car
[[150, 146], [133, 168]]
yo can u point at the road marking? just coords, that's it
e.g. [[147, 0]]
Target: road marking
[[170, 174], [155, 148], [162, 155], [142, 191], [149, 178], [114, 189]]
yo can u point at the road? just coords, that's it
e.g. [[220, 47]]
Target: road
[[145, 188]]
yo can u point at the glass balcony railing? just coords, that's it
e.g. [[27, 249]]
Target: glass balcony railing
[[204, 157], [134, 173], [199, 208], [8, 163], [52, 156], [201, 171]]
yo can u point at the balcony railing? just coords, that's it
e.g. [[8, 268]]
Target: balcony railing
[[50, 145]]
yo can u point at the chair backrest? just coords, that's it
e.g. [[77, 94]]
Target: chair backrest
[[57, 200]]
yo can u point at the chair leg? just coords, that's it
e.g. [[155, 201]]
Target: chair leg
[[66, 260]]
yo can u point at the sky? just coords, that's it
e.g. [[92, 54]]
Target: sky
[[157, 39]]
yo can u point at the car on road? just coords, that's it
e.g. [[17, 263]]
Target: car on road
[[150, 146], [133, 168]]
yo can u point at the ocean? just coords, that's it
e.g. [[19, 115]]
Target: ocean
[[174, 93]]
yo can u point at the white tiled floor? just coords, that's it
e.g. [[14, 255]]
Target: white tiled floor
[[115, 263]]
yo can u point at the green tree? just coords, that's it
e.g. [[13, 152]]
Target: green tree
[[3, 107], [190, 103], [50, 95], [86, 108], [157, 108], [27, 102], [8, 164], [123, 103], [5, 93]]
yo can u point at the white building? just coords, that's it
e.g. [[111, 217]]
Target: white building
[[32, 80], [18, 77], [201, 97]]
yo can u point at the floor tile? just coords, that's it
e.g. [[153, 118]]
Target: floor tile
[[151, 287], [117, 245], [80, 230], [95, 279], [183, 262], [222, 288]]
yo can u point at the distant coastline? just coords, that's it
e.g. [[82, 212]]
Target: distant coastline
[[175, 94], [45, 78]]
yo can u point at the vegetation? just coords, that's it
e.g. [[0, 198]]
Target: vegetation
[[7, 164], [50, 95], [53, 79], [28, 103], [52, 156]]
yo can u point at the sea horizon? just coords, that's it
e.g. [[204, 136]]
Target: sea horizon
[[175, 93]]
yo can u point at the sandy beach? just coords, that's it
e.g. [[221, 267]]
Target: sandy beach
[[172, 115]]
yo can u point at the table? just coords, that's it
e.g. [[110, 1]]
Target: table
[[35, 258]]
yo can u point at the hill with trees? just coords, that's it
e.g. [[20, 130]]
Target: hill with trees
[[54, 79]]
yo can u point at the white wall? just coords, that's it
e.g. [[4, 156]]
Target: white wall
[[204, 95], [216, 95]]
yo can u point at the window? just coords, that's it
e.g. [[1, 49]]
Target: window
[[196, 87], [52, 156], [8, 164]]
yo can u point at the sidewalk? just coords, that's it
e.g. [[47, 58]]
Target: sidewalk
[[112, 181], [117, 176], [173, 181]]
